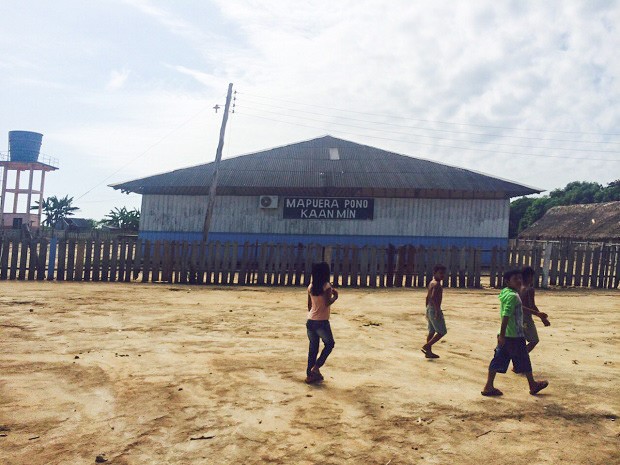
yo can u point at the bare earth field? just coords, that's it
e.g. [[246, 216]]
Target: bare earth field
[[154, 374]]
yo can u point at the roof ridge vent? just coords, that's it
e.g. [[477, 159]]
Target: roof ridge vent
[[334, 154]]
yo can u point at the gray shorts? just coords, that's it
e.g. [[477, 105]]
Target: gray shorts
[[529, 330], [435, 324]]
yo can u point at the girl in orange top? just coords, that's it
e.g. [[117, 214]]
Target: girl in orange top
[[321, 295]]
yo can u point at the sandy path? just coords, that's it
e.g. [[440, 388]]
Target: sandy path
[[159, 365]]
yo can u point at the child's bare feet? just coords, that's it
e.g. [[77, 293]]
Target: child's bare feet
[[538, 386]]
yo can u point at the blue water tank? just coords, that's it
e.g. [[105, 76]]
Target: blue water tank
[[24, 145]]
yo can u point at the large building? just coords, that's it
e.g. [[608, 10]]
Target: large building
[[329, 191]]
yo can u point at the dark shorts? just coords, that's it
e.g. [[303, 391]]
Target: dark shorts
[[513, 350]]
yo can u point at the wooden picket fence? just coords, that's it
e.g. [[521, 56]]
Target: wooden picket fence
[[268, 264], [561, 264]]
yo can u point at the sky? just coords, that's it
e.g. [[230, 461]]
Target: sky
[[122, 89]]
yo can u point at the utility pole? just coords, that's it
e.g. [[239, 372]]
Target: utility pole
[[216, 171]]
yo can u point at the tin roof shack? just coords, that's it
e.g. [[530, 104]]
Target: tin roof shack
[[595, 222], [329, 191]]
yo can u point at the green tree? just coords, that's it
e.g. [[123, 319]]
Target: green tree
[[127, 220], [55, 209]]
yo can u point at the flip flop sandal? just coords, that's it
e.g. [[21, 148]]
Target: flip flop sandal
[[539, 387], [492, 393]]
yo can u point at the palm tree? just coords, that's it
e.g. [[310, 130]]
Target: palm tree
[[123, 218], [55, 209]]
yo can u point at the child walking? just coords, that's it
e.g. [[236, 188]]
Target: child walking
[[434, 314], [321, 295], [511, 339], [527, 294]]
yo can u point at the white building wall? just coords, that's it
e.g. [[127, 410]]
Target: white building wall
[[392, 216]]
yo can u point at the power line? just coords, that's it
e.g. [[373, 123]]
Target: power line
[[148, 149], [428, 120], [430, 137], [451, 131], [429, 144]]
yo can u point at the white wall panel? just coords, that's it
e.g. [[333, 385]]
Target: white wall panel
[[395, 216]]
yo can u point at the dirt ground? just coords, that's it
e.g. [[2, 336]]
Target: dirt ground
[[145, 374]]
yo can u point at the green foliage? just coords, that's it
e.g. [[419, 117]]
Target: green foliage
[[525, 211], [127, 220], [55, 209]]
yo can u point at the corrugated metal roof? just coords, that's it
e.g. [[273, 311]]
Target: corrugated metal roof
[[306, 168]]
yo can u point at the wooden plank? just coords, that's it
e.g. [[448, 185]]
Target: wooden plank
[[354, 270], [401, 266], [596, 258], [363, 270], [62, 259], [462, 266], [601, 268], [122, 260], [493, 267], [587, 266], [156, 253], [96, 263], [145, 255], [345, 272], [51, 267], [183, 261], [70, 260], [381, 268], [42, 259], [282, 257], [78, 274], [114, 260], [578, 266], [4, 259], [23, 260], [88, 260], [217, 260], [308, 259], [105, 260], [138, 259], [373, 265], [32, 262], [616, 281], [477, 268], [570, 265], [243, 264], [234, 263], [132, 258], [14, 268]]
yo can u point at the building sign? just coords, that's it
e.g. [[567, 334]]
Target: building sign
[[328, 208]]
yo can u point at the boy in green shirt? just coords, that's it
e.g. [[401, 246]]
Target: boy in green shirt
[[511, 339]]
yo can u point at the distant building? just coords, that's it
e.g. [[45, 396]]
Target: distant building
[[329, 191], [75, 224], [19, 193], [598, 222]]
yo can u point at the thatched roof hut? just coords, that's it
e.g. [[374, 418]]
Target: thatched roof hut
[[590, 222]]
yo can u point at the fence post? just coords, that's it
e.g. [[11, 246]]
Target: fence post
[[548, 247]]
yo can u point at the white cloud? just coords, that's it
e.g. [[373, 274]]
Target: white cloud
[[406, 67], [117, 79]]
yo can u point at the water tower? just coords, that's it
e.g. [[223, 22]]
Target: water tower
[[16, 201]]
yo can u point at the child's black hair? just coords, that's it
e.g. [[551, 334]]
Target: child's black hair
[[320, 275], [509, 274], [439, 267], [527, 272]]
